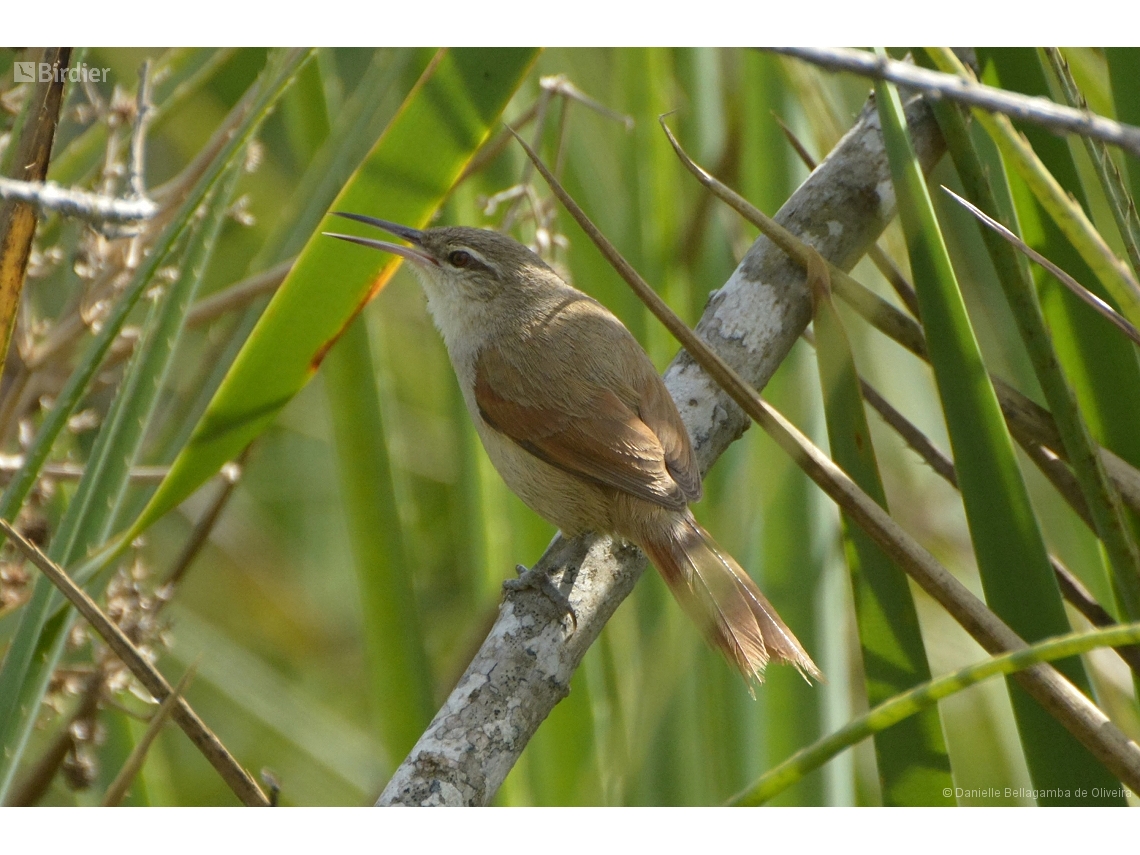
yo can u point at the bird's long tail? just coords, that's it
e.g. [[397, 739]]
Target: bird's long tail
[[724, 602]]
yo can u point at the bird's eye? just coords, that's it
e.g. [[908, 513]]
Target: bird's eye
[[460, 258]]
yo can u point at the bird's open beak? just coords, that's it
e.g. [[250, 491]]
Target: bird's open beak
[[414, 236]]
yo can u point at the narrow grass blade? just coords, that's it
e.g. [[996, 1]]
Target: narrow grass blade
[[1101, 496], [443, 121], [1111, 181], [1069, 216], [1011, 555], [914, 767], [401, 679], [900, 707], [1124, 71]]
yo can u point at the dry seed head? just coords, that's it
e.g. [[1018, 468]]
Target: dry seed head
[[240, 211], [83, 421], [41, 262], [254, 155], [14, 589], [79, 768]]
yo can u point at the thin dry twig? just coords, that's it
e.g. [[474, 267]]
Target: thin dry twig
[[81, 204], [1039, 111], [238, 295], [134, 762], [143, 113], [550, 87], [240, 781], [231, 474], [1080, 291], [11, 463], [98, 208], [560, 84]]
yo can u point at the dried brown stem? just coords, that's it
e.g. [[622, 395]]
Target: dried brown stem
[[36, 781], [122, 783], [143, 114], [29, 164], [238, 295], [1041, 111], [242, 784], [231, 474]]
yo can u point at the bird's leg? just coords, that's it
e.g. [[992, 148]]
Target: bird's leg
[[539, 580]]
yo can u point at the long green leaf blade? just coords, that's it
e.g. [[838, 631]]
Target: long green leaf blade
[[398, 664], [1011, 555], [914, 767], [1013, 273], [444, 120]]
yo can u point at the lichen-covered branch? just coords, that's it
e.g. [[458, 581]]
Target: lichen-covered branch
[[525, 664]]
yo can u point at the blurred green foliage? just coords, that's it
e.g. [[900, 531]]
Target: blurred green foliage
[[271, 610]]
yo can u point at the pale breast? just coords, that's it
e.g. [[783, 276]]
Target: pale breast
[[567, 501]]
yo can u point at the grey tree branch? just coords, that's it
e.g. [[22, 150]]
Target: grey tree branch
[[73, 202], [525, 664], [1077, 713], [1030, 424], [1041, 111]]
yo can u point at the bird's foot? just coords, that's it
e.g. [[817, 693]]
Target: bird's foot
[[538, 580]]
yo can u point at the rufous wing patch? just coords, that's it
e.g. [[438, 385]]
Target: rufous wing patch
[[605, 442], [659, 413]]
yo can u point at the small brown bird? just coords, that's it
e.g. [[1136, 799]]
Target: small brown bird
[[579, 424]]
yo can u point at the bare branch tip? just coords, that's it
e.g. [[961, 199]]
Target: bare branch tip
[[138, 133]]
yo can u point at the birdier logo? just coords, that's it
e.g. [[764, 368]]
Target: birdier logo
[[46, 72]]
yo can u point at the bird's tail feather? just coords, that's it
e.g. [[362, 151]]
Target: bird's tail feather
[[724, 602]]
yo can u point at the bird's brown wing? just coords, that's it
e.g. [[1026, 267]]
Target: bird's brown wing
[[643, 451], [660, 415]]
